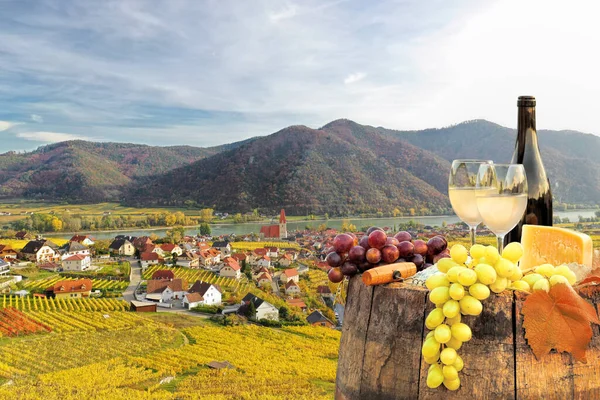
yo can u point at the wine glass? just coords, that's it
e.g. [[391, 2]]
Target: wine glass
[[462, 184], [501, 197]]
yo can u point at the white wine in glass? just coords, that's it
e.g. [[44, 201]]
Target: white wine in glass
[[501, 197], [462, 186]]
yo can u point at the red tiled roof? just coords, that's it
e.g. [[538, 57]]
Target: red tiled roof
[[297, 303], [80, 238], [232, 263], [324, 289], [194, 297], [282, 219], [239, 256], [265, 275], [168, 247], [76, 286], [159, 285], [260, 252], [149, 256], [290, 272], [270, 231], [290, 283], [267, 258], [163, 274], [76, 257]]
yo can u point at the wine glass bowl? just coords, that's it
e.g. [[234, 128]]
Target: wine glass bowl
[[501, 197], [462, 185]]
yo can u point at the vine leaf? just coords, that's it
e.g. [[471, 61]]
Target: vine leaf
[[560, 320]]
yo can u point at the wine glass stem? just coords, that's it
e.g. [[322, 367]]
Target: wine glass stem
[[500, 243], [472, 232]]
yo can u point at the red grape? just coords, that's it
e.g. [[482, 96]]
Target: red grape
[[364, 242], [418, 261], [377, 239], [392, 241], [373, 255], [389, 253], [335, 275], [436, 245], [403, 236], [406, 249], [333, 259], [427, 265], [343, 242], [443, 254], [349, 269], [420, 247], [364, 266], [372, 229], [357, 254]]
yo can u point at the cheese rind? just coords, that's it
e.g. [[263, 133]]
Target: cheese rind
[[556, 246]]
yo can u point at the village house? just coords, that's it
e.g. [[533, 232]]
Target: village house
[[4, 267], [230, 269], [163, 274], [299, 303], [50, 266], [85, 240], [264, 261], [272, 252], [72, 289], [289, 275], [207, 294], [264, 279], [23, 235], [188, 260], [264, 309], [164, 290], [316, 318], [285, 260], [241, 257], [141, 243], [122, 247], [73, 248], [40, 251], [147, 259], [292, 288], [223, 246], [325, 292], [7, 252], [256, 255], [76, 262], [303, 269], [169, 248], [275, 231]]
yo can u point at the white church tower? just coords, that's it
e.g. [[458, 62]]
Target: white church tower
[[282, 225]]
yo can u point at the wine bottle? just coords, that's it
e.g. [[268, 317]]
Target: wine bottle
[[527, 152]]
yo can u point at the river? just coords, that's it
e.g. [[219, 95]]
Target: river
[[243, 229]]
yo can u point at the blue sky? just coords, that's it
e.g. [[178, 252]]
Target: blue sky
[[210, 72]]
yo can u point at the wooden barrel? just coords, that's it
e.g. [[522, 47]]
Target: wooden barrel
[[380, 351]]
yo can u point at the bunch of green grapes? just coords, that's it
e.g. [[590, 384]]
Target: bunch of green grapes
[[464, 282]]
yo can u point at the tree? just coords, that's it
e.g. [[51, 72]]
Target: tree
[[56, 224], [251, 312], [205, 229], [597, 213], [170, 219], [174, 259], [396, 212], [322, 228], [175, 234], [284, 313], [206, 214], [347, 226]]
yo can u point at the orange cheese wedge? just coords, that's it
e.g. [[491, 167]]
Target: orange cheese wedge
[[556, 246]]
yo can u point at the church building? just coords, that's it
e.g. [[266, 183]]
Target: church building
[[275, 231]]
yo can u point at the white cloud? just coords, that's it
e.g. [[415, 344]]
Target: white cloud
[[355, 77], [37, 118], [50, 137], [288, 12], [6, 125]]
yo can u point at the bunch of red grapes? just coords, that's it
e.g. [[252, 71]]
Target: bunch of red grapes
[[350, 255]]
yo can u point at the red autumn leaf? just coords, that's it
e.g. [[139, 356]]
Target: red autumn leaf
[[590, 279], [558, 320]]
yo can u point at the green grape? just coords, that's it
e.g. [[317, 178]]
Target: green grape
[[459, 364], [517, 275], [450, 372], [434, 318], [451, 308], [531, 279], [432, 360], [453, 320], [491, 254], [453, 272], [467, 277], [513, 251], [445, 264], [459, 253], [456, 291], [556, 279], [477, 251], [486, 274], [430, 347], [479, 291], [500, 285], [436, 280], [448, 356], [454, 343], [452, 385], [521, 285], [461, 332], [435, 377], [505, 268], [469, 305], [430, 334], [442, 333], [439, 295], [545, 269], [541, 284], [565, 271]]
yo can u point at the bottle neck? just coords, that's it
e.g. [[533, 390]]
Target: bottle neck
[[526, 132]]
